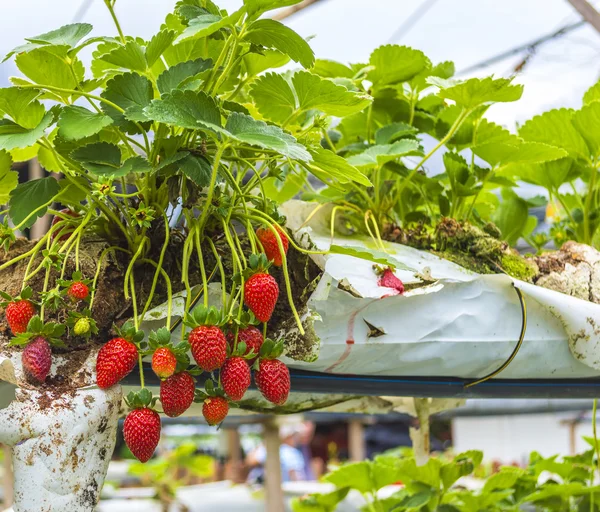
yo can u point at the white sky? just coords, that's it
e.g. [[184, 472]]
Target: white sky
[[466, 31]]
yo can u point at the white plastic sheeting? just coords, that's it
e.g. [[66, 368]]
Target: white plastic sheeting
[[462, 325]]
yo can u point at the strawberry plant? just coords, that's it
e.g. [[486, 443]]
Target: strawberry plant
[[162, 150], [546, 484]]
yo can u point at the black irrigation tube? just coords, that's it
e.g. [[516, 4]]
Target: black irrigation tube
[[435, 387]]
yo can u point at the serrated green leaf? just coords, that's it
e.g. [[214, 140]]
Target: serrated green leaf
[[8, 179], [257, 7], [330, 165], [380, 154], [393, 64], [511, 216], [158, 44], [128, 56], [67, 35], [22, 106], [365, 253], [356, 476], [99, 157], [258, 133], [135, 164], [592, 94], [275, 35], [22, 155], [76, 123], [331, 69], [477, 91], [207, 24], [488, 132], [587, 123], [186, 109], [256, 63], [197, 169], [13, 136], [132, 93], [70, 194], [555, 127], [314, 92], [392, 132], [175, 76], [48, 65], [29, 196], [273, 97]]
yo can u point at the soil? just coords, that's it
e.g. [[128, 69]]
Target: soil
[[110, 307]]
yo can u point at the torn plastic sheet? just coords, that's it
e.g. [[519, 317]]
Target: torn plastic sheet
[[457, 324]]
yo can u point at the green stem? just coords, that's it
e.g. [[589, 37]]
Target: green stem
[[159, 267], [40, 208], [115, 20], [169, 288], [588, 207], [594, 430], [286, 275], [99, 267], [211, 187], [128, 273], [198, 242], [459, 120], [221, 271], [45, 289]]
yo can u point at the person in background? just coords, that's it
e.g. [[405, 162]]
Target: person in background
[[293, 466]]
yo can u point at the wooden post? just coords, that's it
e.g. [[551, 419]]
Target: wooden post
[[8, 477], [420, 435], [356, 441], [273, 491], [235, 455], [588, 12], [42, 224], [286, 13]]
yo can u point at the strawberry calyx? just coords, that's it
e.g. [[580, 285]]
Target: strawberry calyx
[[257, 264], [202, 315], [141, 399], [270, 349], [129, 332], [82, 324], [235, 347], [211, 388], [36, 327], [161, 338], [7, 235], [26, 294]]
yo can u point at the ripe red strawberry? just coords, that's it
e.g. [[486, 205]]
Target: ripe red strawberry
[[78, 291], [115, 360], [389, 280], [164, 362], [209, 347], [273, 380], [18, 313], [215, 409], [260, 295], [37, 359], [141, 431], [235, 378], [177, 394], [270, 245], [251, 336], [65, 231]]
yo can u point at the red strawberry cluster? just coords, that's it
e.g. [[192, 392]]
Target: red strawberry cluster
[[227, 349], [32, 333]]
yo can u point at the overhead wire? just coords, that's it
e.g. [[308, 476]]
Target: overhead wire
[[412, 20]]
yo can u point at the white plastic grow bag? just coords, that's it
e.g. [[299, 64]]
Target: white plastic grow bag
[[463, 325]]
